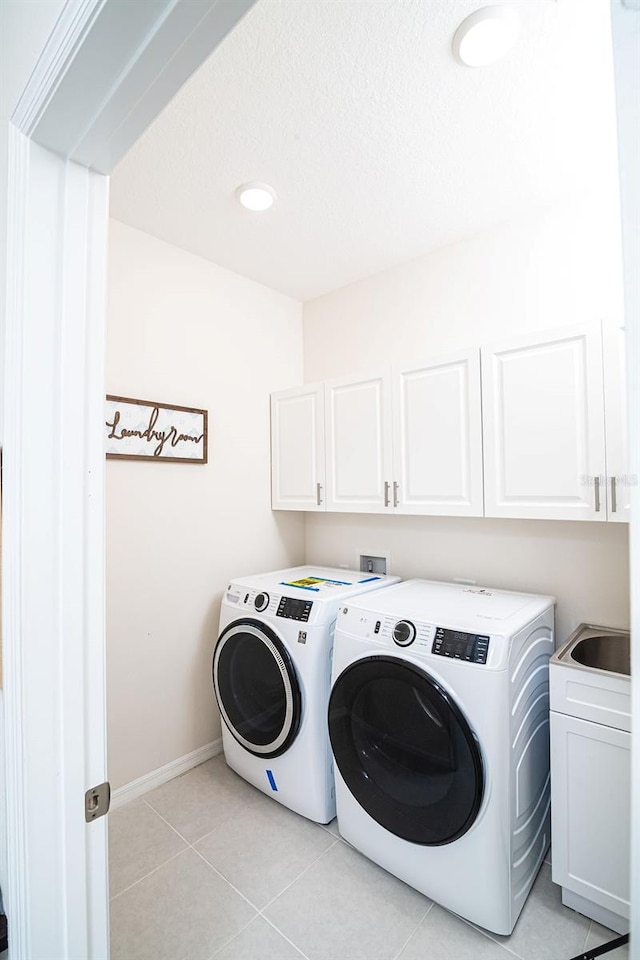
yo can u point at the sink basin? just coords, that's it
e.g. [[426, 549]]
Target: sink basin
[[589, 676], [599, 648], [607, 651]]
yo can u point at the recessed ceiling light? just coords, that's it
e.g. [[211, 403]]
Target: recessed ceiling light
[[256, 196], [485, 36]]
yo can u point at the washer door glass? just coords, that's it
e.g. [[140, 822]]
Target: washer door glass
[[405, 750], [256, 688]]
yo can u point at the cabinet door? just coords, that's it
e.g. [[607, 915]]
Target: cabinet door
[[543, 416], [591, 810], [437, 437], [358, 432], [297, 448], [615, 405]]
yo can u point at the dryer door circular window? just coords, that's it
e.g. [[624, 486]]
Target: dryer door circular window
[[256, 688], [405, 750]]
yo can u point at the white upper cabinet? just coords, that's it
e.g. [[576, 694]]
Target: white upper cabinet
[[297, 449], [358, 444], [437, 436], [519, 435], [615, 406], [544, 439]]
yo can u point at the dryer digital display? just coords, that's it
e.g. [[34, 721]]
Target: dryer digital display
[[294, 609], [472, 647]]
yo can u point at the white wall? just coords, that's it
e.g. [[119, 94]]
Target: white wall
[[584, 565], [182, 330], [557, 267]]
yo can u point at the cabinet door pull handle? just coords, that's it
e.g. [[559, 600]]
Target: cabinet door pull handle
[[386, 493], [319, 494], [395, 493], [596, 487], [614, 496]]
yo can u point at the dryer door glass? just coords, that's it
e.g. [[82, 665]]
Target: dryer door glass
[[256, 688], [405, 750]]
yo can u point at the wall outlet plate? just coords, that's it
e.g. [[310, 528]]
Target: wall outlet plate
[[373, 563]]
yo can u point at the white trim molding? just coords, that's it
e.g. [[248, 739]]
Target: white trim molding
[[53, 480], [15, 891], [111, 67], [137, 788]]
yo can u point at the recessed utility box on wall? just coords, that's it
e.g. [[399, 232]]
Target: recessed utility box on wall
[[370, 563]]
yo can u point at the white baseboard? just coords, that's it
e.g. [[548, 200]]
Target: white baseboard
[[137, 788]]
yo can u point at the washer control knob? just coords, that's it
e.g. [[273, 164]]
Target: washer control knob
[[404, 633], [261, 602]]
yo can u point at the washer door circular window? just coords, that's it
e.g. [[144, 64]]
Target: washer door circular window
[[256, 688], [405, 750]]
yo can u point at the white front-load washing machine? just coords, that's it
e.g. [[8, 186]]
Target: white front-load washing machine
[[271, 675], [439, 726]]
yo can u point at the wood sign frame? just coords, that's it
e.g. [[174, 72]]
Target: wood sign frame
[[137, 426]]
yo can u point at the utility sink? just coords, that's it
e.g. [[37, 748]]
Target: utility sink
[[600, 650], [590, 698], [589, 676]]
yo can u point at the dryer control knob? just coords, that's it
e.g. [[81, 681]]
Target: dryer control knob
[[261, 602], [404, 633]]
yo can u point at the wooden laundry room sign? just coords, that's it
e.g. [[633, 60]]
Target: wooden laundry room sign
[[146, 430]]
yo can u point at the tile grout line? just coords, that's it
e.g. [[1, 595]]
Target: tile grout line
[[415, 930], [278, 930], [231, 939], [164, 820], [147, 875], [300, 875], [222, 877]]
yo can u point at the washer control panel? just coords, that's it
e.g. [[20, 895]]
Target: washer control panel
[[291, 608], [472, 647]]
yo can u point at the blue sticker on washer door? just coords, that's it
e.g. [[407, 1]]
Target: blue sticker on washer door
[[272, 780]]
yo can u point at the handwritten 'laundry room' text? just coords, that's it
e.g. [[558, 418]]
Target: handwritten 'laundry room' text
[[158, 437]]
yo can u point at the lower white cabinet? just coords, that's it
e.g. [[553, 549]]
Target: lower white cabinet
[[591, 816], [297, 448], [544, 431]]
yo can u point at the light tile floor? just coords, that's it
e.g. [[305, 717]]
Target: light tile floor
[[206, 866]]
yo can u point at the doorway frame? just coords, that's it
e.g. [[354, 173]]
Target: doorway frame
[[106, 71]]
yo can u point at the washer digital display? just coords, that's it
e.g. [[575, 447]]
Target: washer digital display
[[472, 647]]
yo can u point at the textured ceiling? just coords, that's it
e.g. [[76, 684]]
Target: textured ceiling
[[379, 145]]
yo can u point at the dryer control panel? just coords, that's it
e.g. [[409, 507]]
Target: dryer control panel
[[472, 647], [294, 609]]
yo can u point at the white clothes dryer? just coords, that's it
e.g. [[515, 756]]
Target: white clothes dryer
[[271, 675], [439, 725]]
